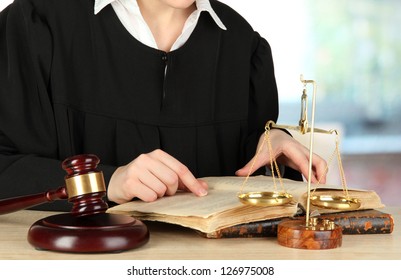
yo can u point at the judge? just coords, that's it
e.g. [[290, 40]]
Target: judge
[[162, 91]]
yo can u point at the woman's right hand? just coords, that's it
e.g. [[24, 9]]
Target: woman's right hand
[[151, 176]]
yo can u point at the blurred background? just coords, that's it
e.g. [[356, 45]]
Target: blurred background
[[352, 49]]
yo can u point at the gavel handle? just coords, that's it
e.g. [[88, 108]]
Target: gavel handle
[[22, 202]]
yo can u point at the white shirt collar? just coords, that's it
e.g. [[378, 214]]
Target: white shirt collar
[[202, 5]]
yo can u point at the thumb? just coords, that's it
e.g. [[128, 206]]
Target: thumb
[[249, 168]]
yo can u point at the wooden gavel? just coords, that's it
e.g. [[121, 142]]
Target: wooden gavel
[[87, 228], [84, 188]]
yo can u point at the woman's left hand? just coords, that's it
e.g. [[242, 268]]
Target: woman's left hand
[[289, 152]]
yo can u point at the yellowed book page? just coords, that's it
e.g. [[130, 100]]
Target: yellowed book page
[[222, 196], [221, 207]]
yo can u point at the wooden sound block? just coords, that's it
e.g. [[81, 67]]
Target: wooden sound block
[[97, 233], [319, 235]]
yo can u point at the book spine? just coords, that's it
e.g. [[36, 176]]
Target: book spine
[[382, 224], [358, 224], [256, 229]]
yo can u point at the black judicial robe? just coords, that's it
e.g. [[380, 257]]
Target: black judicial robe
[[72, 82]]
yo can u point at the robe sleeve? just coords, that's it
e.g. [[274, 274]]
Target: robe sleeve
[[263, 88], [263, 96], [28, 148], [29, 160], [264, 101]]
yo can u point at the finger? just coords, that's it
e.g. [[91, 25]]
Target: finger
[[182, 187], [154, 174], [296, 157], [254, 164], [152, 182], [245, 170], [303, 167], [320, 168], [318, 173], [141, 191], [184, 175], [164, 178]]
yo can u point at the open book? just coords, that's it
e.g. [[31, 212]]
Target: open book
[[221, 208]]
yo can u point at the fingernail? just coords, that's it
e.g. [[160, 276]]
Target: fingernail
[[202, 192]]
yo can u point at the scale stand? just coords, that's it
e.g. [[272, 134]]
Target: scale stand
[[303, 233]]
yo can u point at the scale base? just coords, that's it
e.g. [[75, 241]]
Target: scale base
[[97, 233], [320, 235]]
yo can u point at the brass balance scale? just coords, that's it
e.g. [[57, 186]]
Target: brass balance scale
[[308, 232]]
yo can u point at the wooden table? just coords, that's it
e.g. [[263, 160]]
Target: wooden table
[[170, 242]]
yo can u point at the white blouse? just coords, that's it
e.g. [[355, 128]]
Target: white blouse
[[130, 16]]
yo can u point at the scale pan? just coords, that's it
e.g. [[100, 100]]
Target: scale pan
[[265, 198], [335, 202]]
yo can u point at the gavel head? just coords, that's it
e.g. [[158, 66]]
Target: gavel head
[[85, 185]]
